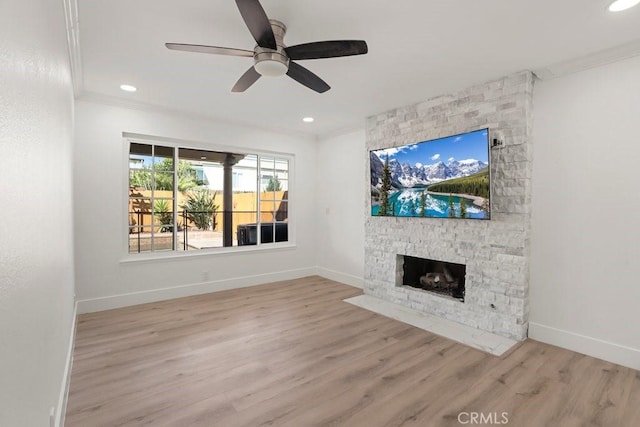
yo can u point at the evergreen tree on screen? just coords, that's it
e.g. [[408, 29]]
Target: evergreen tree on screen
[[463, 208], [412, 208], [476, 184], [452, 211], [384, 208], [423, 204]]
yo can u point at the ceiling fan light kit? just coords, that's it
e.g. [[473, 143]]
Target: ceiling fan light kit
[[271, 56], [269, 67]]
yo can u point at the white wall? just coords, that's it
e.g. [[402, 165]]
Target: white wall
[[36, 221], [585, 269], [340, 207], [103, 280]]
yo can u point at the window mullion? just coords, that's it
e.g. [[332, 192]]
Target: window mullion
[[153, 195], [175, 199], [259, 202]]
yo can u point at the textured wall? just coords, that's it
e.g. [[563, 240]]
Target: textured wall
[[36, 220], [496, 252]]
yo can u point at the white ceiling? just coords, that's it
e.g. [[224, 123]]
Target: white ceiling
[[418, 49]]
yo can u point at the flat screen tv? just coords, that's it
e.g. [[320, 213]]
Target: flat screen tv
[[443, 178]]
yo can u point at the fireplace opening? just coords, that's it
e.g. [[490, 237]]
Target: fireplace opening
[[442, 277]]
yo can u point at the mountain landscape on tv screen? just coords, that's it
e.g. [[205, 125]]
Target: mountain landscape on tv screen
[[419, 184], [407, 176]]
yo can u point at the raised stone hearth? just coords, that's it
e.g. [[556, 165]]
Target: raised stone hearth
[[482, 340], [495, 252]]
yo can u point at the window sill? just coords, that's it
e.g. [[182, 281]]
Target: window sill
[[216, 252]]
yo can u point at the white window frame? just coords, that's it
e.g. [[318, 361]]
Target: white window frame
[[129, 138]]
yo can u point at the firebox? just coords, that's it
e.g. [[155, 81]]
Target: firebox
[[441, 277]]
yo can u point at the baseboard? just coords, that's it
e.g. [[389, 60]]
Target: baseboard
[[135, 298], [594, 347], [66, 376], [347, 279]]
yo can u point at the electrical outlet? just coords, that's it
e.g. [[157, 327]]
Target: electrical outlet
[[205, 276]]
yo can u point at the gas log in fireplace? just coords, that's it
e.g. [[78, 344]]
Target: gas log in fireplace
[[442, 277]]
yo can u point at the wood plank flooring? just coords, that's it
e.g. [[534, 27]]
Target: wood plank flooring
[[294, 354]]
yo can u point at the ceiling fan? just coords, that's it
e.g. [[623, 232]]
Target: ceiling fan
[[271, 56]]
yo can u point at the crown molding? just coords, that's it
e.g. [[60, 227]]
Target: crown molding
[[603, 57], [73, 43]]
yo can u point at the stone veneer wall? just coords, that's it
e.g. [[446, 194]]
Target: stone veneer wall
[[496, 252]]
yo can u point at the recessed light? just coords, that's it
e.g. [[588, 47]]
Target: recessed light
[[311, 119], [203, 157], [620, 5], [128, 88]]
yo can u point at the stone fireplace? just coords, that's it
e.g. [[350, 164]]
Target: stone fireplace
[[494, 253]]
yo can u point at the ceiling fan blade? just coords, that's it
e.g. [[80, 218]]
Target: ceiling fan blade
[[307, 78], [257, 22], [209, 49], [247, 79], [327, 49]]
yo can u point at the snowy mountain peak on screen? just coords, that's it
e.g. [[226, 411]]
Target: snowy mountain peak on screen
[[405, 176], [465, 167]]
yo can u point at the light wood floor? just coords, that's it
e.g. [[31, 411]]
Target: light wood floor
[[293, 354]]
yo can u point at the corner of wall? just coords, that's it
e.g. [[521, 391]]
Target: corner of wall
[[66, 376], [347, 279], [600, 349]]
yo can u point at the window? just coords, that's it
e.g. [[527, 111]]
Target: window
[[185, 199]]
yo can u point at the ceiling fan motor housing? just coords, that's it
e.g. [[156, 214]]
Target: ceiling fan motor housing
[[269, 62]]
